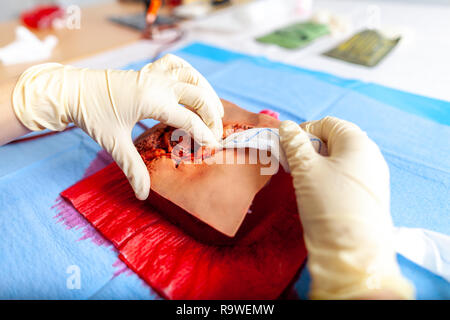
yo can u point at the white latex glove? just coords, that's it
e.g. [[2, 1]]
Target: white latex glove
[[106, 104], [343, 200]]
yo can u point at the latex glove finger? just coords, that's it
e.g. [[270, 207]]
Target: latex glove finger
[[204, 103], [183, 71], [297, 146], [129, 160], [147, 67], [190, 75], [170, 61], [177, 116], [341, 136]]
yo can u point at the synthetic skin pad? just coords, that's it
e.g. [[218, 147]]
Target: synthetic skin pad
[[177, 254], [258, 266], [218, 194]]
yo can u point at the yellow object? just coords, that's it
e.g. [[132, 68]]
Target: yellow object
[[343, 200], [106, 104]]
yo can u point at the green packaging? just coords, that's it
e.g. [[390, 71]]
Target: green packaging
[[366, 48], [296, 35]]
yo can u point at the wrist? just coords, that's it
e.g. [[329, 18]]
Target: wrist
[[371, 286], [39, 100], [346, 274]]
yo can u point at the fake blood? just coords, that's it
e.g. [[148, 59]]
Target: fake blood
[[259, 264]]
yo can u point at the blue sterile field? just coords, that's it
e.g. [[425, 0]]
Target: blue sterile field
[[412, 131]]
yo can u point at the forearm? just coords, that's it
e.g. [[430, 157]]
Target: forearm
[[10, 126]]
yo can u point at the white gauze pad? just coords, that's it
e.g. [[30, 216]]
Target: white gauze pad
[[267, 139]]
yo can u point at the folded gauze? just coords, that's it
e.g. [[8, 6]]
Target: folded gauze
[[267, 139]]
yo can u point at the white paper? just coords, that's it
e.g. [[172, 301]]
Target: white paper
[[27, 48], [427, 248]]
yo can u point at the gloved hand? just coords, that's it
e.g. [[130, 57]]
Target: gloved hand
[[343, 200], [106, 104]]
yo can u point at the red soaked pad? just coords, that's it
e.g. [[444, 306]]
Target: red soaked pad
[[260, 265]]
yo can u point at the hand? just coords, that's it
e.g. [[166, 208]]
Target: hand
[[343, 200], [106, 104]]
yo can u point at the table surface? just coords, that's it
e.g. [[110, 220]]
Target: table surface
[[96, 35], [419, 64]]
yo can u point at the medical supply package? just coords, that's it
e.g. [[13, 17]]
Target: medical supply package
[[366, 48], [295, 36]]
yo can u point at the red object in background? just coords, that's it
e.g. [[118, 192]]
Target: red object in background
[[41, 17], [173, 3], [271, 113]]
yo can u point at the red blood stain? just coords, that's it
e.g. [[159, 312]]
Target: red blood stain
[[68, 216], [177, 265]]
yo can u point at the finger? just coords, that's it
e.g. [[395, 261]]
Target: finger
[[183, 71], [176, 116], [129, 160], [170, 62], [321, 128], [193, 77], [147, 67], [340, 135], [297, 146], [203, 102]]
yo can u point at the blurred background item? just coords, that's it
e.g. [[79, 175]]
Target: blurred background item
[[27, 48], [42, 17], [297, 32]]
